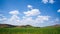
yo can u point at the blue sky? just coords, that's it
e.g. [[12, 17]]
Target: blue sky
[[44, 12]]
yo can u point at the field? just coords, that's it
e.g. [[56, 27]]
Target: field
[[31, 30]]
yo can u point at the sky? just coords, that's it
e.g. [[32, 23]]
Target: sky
[[38, 13]]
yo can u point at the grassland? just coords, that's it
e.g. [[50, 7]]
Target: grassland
[[31, 30]]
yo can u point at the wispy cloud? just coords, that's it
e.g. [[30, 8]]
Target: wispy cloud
[[2, 19]]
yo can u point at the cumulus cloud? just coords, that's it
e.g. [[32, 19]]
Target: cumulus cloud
[[41, 19], [27, 18], [33, 12], [34, 22], [14, 19], [27, 21], [58, 10]]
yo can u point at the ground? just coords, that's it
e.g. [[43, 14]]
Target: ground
[[30, 30]]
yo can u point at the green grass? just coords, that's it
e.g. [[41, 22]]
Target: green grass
[[45, 30]]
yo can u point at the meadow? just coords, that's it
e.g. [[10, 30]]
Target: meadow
[[31, 30]]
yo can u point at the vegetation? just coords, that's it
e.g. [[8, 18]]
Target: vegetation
[[30, 30]]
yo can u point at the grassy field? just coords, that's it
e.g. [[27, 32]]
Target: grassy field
[[45, 30]]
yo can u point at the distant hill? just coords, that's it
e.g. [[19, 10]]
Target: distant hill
[[6, 25], [25, 26], [57, 25]]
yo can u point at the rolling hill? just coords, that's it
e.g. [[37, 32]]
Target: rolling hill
[[27, 29], [6, 25]]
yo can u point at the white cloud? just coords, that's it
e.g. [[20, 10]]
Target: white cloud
[[58, 10], [45, 1], [34, 22], [28, 18], [27, 21], [51, 1], [29, 6], [33, 12], [15, 19], [41, 19], [48, 1], [2, 19], [44, 17], [15, 12]]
